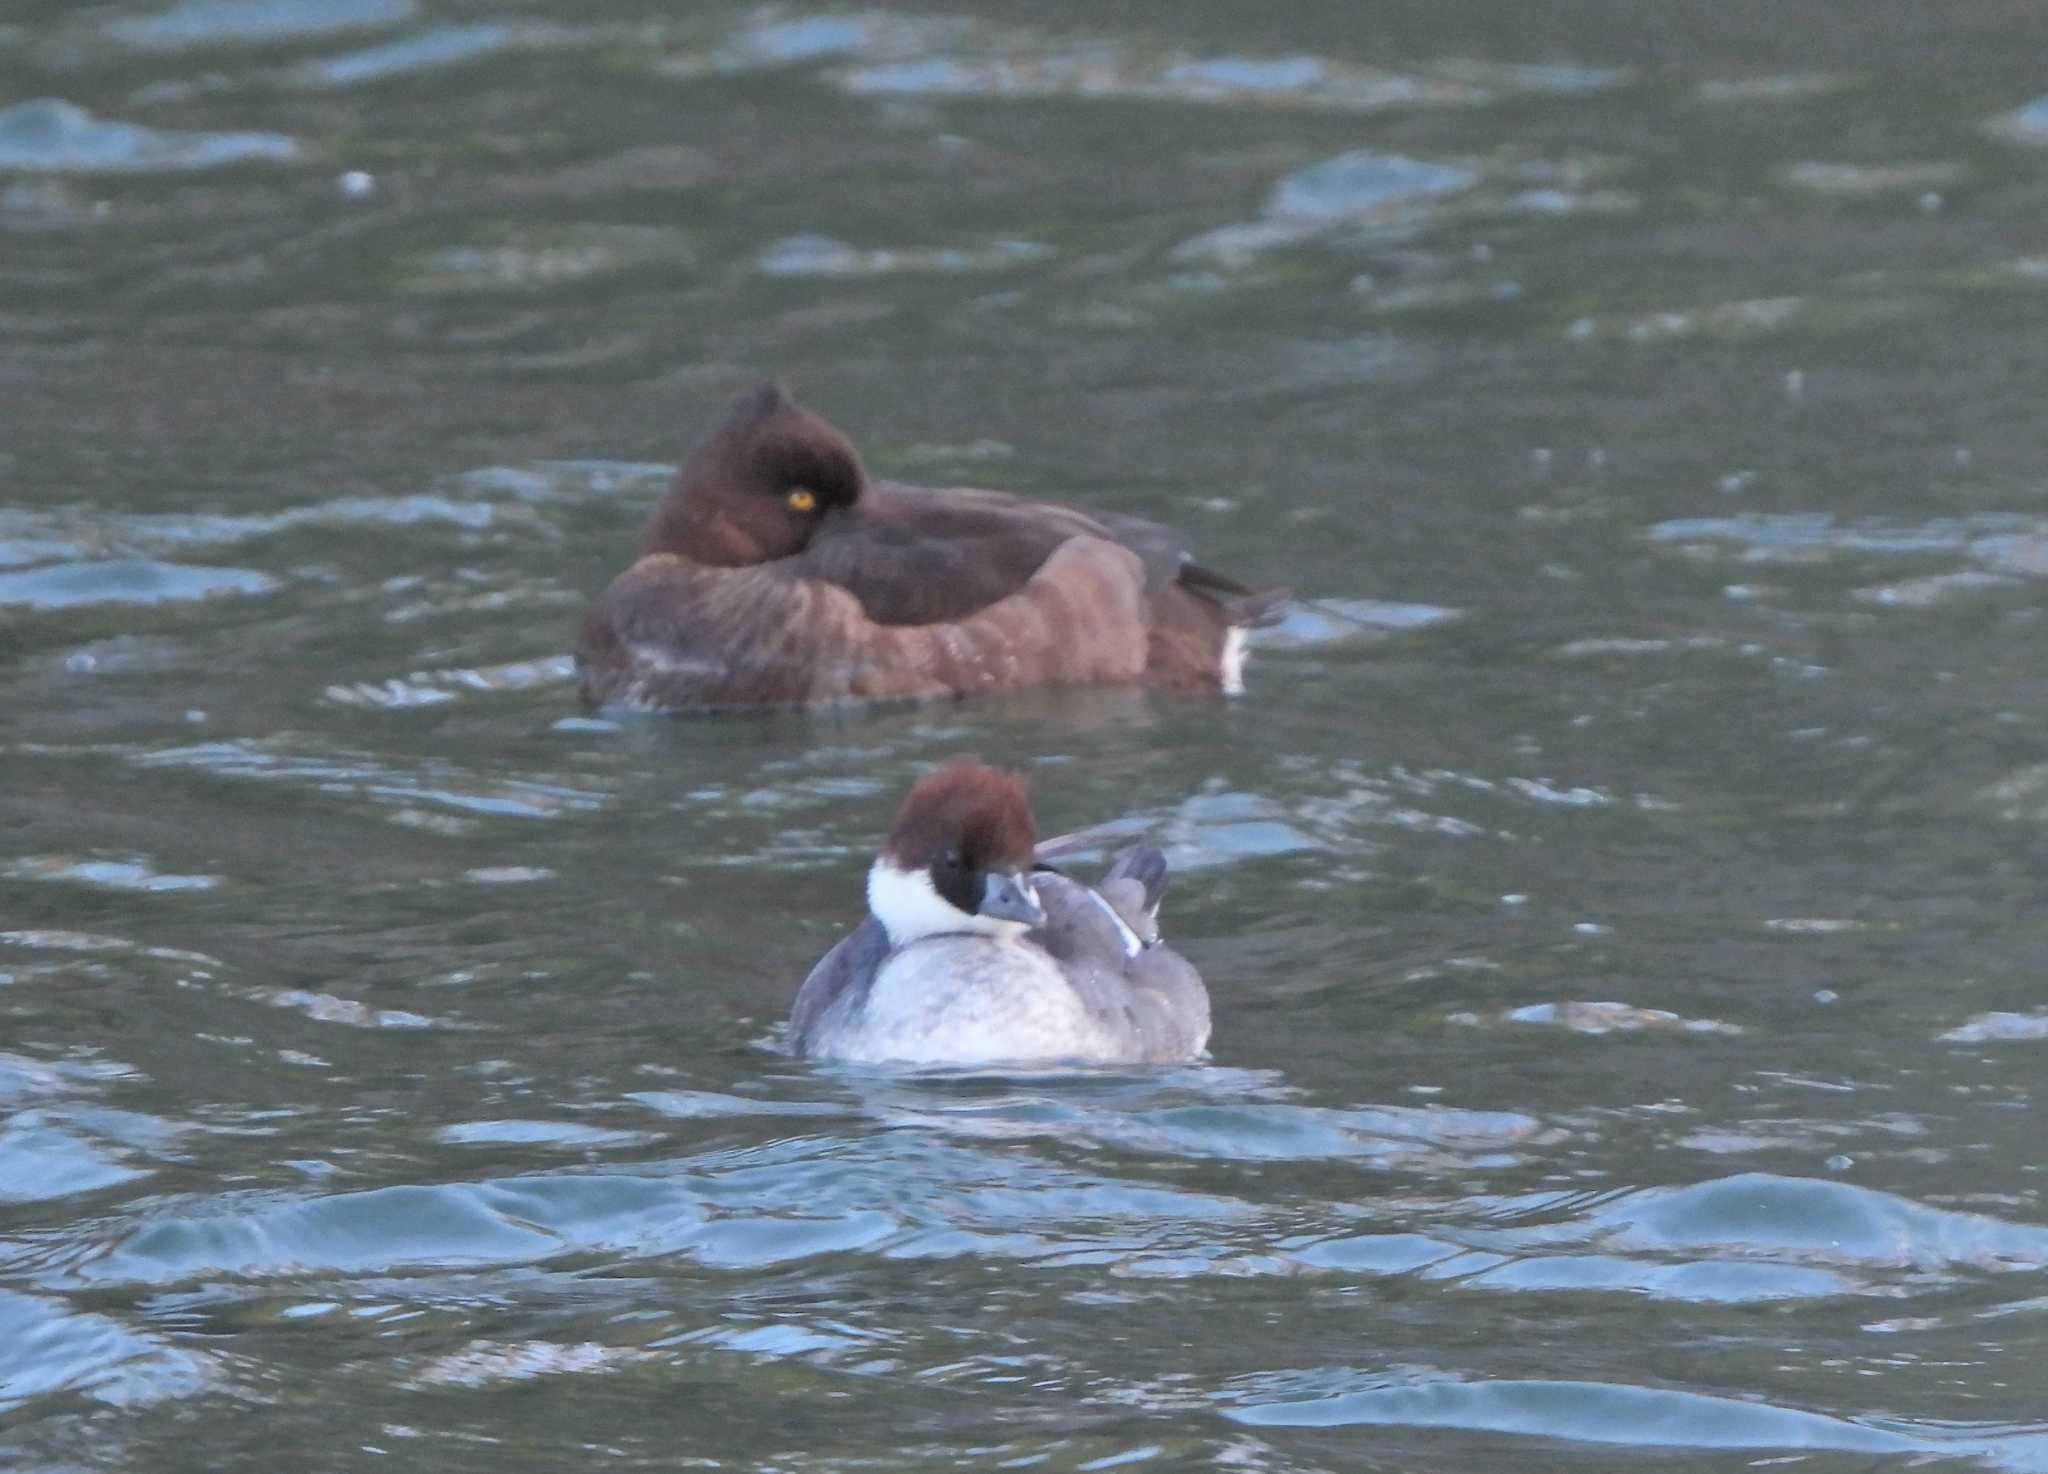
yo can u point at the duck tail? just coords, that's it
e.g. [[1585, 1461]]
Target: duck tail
[[1145, 866], [1243, 606]]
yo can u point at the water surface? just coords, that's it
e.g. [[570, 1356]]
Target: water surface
[[1621, 891]]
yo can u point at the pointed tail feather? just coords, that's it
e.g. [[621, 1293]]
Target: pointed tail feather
[[1242, 605], [1147, 867]]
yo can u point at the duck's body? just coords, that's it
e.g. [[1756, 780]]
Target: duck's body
[[775, 572], [1021, 965]]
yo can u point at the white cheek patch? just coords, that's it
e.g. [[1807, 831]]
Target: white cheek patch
[[910, 908]]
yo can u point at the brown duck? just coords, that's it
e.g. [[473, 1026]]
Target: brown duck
[[776, 572]]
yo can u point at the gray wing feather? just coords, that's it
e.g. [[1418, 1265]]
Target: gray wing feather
[[1144, 992], [838, 986], [1144, 867], [1127, 899], [1175, 1003]]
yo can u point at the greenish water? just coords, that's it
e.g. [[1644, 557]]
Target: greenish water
[[1628, 959]]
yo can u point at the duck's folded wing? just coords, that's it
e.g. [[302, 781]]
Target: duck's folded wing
[[675, 635], [1140, 869], [1131, 887], [1081, 928], [1144, 993], [1174, 1005], [972, 511], [1021, 526], [917, 555], [838, 985], [1165, 551], [1169, 559]]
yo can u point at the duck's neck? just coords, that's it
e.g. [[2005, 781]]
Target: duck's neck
[[695, 527], [911, 909]]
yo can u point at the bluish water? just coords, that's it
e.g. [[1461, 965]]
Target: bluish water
[[1620, 889]]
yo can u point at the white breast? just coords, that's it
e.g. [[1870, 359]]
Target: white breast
[[971, 1000]]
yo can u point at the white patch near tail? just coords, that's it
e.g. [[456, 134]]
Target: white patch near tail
[[1230, 670]]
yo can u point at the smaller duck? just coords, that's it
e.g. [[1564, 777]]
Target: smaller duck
[[777, 572], [975, 952]]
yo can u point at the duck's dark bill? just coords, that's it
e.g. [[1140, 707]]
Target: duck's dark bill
[[1010, 898]]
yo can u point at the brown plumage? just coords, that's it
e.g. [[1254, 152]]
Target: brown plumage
[[982, 814], [775, 572]]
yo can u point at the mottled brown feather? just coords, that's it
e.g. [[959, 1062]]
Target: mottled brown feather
[[669, 635]]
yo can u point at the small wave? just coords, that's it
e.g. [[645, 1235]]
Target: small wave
[[126, 581], [49, 135], [254, 22]]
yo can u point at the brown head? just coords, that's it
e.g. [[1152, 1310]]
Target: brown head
[[958, 858], [757, 489]]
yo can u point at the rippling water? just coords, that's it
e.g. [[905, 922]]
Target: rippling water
[[1621, 888]]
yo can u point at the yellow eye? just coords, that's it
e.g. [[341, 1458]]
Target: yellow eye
[[803, 499]]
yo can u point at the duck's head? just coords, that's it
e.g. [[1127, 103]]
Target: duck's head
[[958, 859], [759, 487]]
